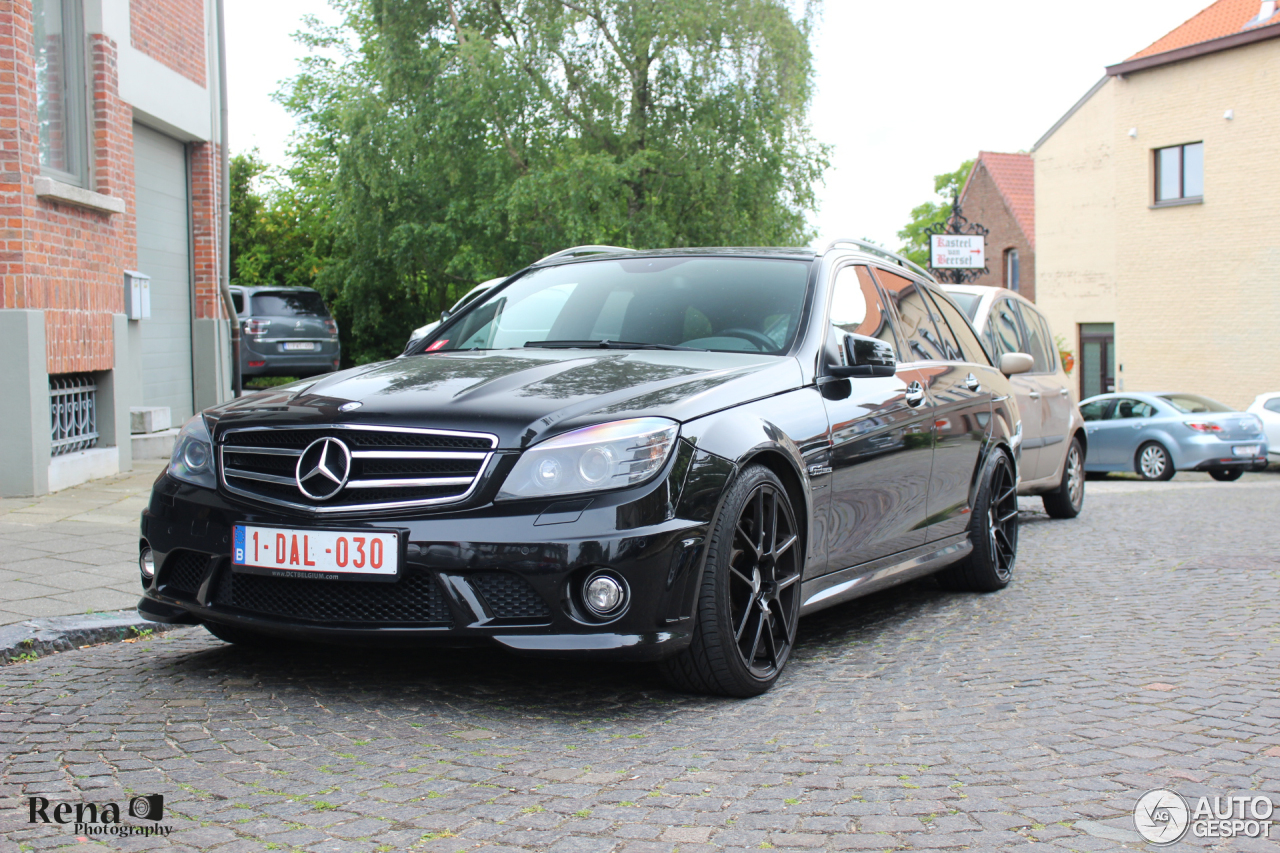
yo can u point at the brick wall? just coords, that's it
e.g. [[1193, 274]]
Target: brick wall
[[982, 203], [171, 32], [205, 188]]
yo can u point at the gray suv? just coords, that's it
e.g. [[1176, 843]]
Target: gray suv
[[285, 331]]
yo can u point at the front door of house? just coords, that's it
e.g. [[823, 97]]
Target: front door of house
[[1097, 359]]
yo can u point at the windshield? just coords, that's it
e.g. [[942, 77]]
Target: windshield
[[302, 303], [968, 302], [722, 304], [1194, 404]]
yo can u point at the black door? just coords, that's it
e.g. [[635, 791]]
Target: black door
[[881, 452], [1097, 359], [960, 391]]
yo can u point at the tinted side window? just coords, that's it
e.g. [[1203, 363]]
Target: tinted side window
[[1272, 405], [970, 346], [1035, 341], [284, 303], [1051, 348], [237, 299], [1126, 408], [1093, 411], [921, 341], [1003, 330]]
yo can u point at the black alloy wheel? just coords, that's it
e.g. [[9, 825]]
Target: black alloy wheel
[[993, 531], [1067, 498], [750, 597], [1226, 475]]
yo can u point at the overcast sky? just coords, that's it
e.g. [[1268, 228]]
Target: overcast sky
[[905, 90]]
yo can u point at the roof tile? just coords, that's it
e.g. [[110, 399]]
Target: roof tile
[[1223, 18], [1014, 177]]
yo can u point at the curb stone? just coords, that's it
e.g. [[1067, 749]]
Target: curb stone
[[36, 638]]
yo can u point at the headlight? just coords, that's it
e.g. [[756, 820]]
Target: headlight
[[609, 456], [192, 459]]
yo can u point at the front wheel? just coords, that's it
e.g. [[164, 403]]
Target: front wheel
[[749, 602], [1152, 462], [1226, 475], [993, 531], [1067, 499]]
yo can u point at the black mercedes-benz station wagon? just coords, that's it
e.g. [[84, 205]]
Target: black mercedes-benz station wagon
[[646, 455]]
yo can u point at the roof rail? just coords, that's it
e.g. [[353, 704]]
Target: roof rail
[[582, 250], [873, 249]]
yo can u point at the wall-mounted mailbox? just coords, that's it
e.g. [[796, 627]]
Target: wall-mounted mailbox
[[137, 295]]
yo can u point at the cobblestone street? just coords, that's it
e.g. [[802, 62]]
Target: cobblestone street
[[1137, 649]]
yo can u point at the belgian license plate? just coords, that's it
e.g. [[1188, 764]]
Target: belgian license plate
[[321, 554], [299, 346], [1245, 450]]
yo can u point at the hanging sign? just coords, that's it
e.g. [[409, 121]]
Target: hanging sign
[[957, 251]]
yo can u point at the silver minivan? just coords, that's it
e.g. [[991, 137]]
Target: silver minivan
[[1053, 435]]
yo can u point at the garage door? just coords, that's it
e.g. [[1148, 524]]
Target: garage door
[[160, 169]]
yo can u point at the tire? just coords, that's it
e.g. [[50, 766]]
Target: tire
[[238, 636], [1153, 462], [1226, 475], [749, 601], [1067, 499], [993, 530]]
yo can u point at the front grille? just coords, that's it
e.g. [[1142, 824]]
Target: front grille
[[388, 467], [415, 599], [183, 572], [510, 596]]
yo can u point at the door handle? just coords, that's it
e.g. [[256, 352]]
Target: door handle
[[1034, 395], [1064, 392], [914, 394], [971, 382]]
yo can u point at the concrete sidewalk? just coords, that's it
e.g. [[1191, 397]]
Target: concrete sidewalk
[[75, 551]]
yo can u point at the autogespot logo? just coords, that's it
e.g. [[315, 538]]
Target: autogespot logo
[[1163, 817]]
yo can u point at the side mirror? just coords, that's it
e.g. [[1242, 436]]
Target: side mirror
[[445, 315], [1015, 362], [864, 356]]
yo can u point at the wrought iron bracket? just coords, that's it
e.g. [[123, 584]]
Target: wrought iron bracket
[[956, 223]]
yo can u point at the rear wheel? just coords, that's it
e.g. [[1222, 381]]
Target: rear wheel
[[993, 530], [750, 598], [1068, 498], [1226, 475], [1153, 462]]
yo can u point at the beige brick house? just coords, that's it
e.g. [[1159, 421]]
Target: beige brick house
[[1157, 246]]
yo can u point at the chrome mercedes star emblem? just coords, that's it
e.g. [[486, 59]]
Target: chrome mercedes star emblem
[[323, 468], [350, 407]]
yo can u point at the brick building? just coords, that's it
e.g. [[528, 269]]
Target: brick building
[[109, 171], [1000, 195], [1155, 213]]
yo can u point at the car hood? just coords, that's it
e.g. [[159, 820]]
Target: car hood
[[519, 395]]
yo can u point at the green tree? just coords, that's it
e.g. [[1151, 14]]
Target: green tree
[[457, 140], [277, 233], [947, 187]]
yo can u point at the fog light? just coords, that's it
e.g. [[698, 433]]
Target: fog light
[[147, 562], [603, 595]]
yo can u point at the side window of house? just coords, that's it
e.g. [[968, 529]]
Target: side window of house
[[1180, 172], [1035, 340], [970, 347], [1003, 330], [856, 307], [1126, 408], [1093, 411], [61, 113], [921, 341]]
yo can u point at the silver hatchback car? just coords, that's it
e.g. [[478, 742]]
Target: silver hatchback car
[[1157, 435], [1054, 441]]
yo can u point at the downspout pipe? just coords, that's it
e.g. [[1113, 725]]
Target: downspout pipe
[[224, 207]]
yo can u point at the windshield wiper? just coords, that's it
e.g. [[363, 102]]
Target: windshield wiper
[[605, 344]]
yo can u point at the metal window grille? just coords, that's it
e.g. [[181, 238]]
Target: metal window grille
[[73, 408]]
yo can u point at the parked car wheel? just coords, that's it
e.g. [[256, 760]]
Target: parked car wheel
[[1067, 500], [1226, 475], [750, 598], [1153, 462], [238, 636], [993, 531]]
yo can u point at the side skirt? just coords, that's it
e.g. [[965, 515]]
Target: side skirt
[[857, 581]]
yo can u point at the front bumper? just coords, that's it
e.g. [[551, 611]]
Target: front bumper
[[499, 574]]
